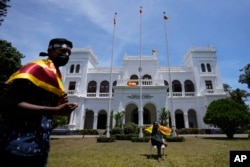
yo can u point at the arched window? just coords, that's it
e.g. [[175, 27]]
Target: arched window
[[208, 67], [203, 69], [133, 77], [147, 80], [189, 86], [77, 68], [166, 84], [146, 76], [177, 86], [72, 67], [114, 84], [133, 80], [92, 87], [104, 87]]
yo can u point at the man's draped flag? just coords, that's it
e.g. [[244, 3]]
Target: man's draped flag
[[43, 74]]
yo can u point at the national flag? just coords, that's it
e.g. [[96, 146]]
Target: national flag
[[115, 18], [140, 10], [163, 129], [154, 51], [43, 74]]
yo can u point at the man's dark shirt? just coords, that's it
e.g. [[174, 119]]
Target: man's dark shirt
[[21, 132]]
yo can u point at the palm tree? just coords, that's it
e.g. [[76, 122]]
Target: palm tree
[[118, 119], [239, 95], [164, 117], [245, 77]]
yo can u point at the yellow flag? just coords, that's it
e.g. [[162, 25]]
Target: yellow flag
[[163, 129]]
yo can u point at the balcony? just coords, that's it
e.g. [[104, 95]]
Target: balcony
[[99, 95], [182, 94], [136, 82], [214, 91]]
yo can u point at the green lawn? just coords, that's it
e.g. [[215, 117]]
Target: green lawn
[[194, 152]]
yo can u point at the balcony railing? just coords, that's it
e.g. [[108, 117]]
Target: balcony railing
[[100, 95], [174, 94], [182, 94], [91, 94], [214, 91], [145, 82]]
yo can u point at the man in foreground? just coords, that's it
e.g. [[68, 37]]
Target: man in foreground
[[35, 95]]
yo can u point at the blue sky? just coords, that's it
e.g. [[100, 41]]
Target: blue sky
[[224, 24]]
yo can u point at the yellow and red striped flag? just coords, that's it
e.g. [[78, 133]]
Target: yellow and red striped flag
[[43, 74]]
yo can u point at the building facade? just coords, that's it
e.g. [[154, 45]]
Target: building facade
[[141, 89]]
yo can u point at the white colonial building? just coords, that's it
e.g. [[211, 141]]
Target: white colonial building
[[141, 95]]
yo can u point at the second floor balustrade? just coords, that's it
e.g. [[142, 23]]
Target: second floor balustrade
[[136, 82], [174, 94]]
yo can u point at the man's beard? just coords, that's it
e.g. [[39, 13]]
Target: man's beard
[[61, 60]]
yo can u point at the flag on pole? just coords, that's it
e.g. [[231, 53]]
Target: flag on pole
[[115, 18], [140, 10], [154, 51], [165, 17]]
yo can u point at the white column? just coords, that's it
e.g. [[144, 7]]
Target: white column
[[82, 114], [95, 121], [97, 89], [186, 120], [183, 89]]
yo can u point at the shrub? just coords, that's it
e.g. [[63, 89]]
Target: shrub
[[90, 132], [105, 139], [125, 136], [190, 131], [116, 130], [130, 128]]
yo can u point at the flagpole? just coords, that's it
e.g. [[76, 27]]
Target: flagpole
[[169, 75], [140, 79], [110, 80]]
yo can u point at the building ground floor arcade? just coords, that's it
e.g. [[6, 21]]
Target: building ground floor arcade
[[93, 113]]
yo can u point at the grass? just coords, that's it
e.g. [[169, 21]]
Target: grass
[[194, 152]]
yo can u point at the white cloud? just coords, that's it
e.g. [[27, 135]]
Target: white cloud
[[224, 24]]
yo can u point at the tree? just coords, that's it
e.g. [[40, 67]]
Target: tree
[[10, 61], [239, 96], [164, 116], [118, 119], [227, 88], [245, 77], [227, 115], [59, 120], [3, 9]]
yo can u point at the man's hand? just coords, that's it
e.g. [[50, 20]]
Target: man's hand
[[63, 99], [66, 108]]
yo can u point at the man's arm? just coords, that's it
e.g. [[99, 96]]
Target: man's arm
[[63, 109], [18, 99]]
